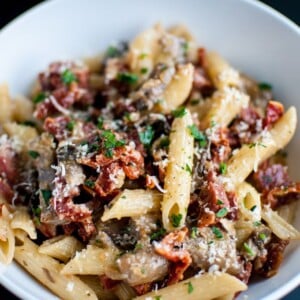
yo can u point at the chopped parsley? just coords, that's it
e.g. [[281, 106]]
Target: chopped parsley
[[198, 135], [33, 154], [262, 236], [70, 125], [89, 183], [213, 123], [188, 169], [210, 242], [253, 208], [194, 101], [112, 52], [158, 234], [217, 232], [248, 249], [157, 297], [28, 123], [138, 246], [47, 194], [127, 77], [257, 223], [100, 122], [219, 202], [36, 211], [164, 142], [223, 168], [176, 219], [264, 86], [147, 135], [190, 287], [185, 47], [257, 144], [179, 112], [144, 70], [110, 142], [143, 55], [68, 77], [194, 232], [222, 212], [39, 98]]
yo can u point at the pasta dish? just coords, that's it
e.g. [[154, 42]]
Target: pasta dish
[[155, 171]]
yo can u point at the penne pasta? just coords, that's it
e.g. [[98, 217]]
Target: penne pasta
[[224, 106], [47, 271], [22, 109], [221, 73], [249, 157], [132, 203], [61, 247], [178, 174], [90, 261], [209, 286], [178, 89], [279, 226], [5, 104]]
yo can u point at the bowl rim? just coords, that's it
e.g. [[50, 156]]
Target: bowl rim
[[278, 293]]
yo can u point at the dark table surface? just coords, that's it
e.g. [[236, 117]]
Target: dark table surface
[[9, 9]]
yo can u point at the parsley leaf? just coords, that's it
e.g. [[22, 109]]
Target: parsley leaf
[[248, 249], [185, 47], [39, 98], [198, 135], [257, 223], [100, 122], [179, 112], [112, 52], [194, 232], [127, 77], [217, 232], [176, 219], [28, 123], [147, 135], [144, 70], [89, 183], [47, 194], [222, 212], [33, 154], [253, 208], [190, 287], [158, 234], [262, 236], [68, 77], [194, 101], [110, 142], [188, 169], [143, 55], [157, 298], [223, 168], [219, 202], [264, 86], [164, 142], [138, 246], [36, 211], [70, 125]]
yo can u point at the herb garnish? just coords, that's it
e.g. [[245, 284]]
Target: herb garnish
[[158, 234], [264, 86], [89, 183], [144, 70], [33, 154], [222, 212], [68, 77], [198, 135], [257, 223], [188, 169], [223, 168], [39, 98], [110, 142], [262, 236], [100, 122], [176, 219], [194, 101], [219, 202], [47, 194], [217, 232], [194, 232], [190, 287], [248, 249], [257, 144], [70, 125], [112, 52], [157, 298], [127, 77], [164, 142], [147, 135], [179, 112], [253, 208]]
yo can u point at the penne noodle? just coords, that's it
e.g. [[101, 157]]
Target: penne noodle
[[132, 203], [61, 247], [220, 72], [5, 104], [249, 157], [47, 270], [279, 226], [209, 286], [178, 174], [224, 106]]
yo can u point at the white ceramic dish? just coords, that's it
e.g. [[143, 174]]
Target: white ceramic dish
[[253, 37]]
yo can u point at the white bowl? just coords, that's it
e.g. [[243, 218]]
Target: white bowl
[[253, 37]]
